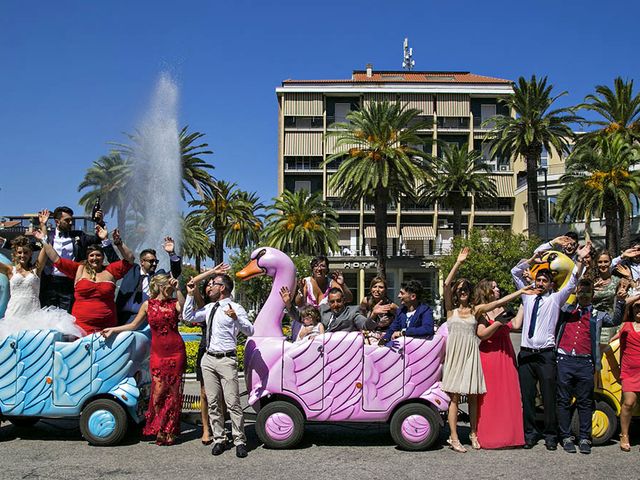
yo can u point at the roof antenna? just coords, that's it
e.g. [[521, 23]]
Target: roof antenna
[[408, 63]]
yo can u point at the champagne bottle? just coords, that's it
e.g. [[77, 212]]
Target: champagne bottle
[[94, 210]]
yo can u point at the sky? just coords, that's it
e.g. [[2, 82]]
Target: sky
[[75, 75]]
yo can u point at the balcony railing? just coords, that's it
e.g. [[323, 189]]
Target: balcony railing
[[453, 123], [478, 124]]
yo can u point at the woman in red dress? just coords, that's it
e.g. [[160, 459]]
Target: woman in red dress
[[500, 409], [629, 370], [94, 304], [168, 357]]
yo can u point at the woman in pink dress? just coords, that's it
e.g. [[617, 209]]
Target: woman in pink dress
[[629, 370], [500, 409], [168, 357]]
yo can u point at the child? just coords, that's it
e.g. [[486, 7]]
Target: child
[[311, 325]]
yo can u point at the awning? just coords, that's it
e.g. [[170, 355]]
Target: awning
[[504, 185], [418, 232], [370, 232]]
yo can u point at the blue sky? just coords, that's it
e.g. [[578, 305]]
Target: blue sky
[[74, 75]]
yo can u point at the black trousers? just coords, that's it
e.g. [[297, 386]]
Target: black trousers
[[575, 379], [534, 368], [57, 292]]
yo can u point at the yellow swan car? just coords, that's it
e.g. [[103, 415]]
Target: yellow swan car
[[608, 397]]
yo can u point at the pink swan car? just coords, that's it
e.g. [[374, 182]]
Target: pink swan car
[[335, 377]]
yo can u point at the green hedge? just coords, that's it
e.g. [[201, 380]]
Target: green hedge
[[192, 356]]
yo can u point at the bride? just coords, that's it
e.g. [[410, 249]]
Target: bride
[[23, 310]]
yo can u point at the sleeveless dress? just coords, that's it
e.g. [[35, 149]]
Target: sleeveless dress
[[629, 358], [167, 364], [462, 370], [94, 303], [311, 299], [24, 313], [500, 423]]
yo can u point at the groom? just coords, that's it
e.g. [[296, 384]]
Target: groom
[[134, 289]]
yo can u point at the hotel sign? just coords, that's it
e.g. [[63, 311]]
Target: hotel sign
[[357, 265]]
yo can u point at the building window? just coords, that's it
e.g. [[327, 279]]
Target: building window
[[544, 158], [487, 112], [302, 185], [341, 112]]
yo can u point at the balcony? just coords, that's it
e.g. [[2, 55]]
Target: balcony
[[303, 164], [453, 123], [303, 123], [478, 121], [342, 205]]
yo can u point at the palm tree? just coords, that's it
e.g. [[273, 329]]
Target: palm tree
[[245, 231], [108, 179], [196, 243], [534, 127], [599, 181], [619, 110], [302, 224], [195, 170], [380, 165], [455, 176], [222, 209]]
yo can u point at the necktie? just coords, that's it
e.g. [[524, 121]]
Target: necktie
[[210, 323], [333, 317], [138, 298], [534, 317]]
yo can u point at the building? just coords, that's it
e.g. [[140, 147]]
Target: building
[[458, 103]]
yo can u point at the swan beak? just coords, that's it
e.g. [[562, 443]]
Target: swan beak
[[251, 269]]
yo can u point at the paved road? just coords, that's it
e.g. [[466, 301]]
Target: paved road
[[54, 450]]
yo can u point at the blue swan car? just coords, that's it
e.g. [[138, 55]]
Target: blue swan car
[[103, 382]]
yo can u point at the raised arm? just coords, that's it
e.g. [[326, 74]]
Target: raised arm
[[43, 218], [140, 317], [565, 292], [190, 313], [487, 307], [448, 293], [175, 261], [337, 280], [219, 269], [127, 254], [48, 249]]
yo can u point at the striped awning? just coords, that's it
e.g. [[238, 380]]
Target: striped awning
[[418, 232], [504, 185], [370, 232]]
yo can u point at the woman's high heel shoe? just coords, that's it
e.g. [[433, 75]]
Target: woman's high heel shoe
[[625, 446], [475, 444], [456, 446]]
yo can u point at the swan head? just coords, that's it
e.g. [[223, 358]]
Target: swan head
[[265, 261]]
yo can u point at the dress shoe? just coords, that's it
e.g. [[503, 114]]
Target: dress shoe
[[218, 449], [551, 445], [585, 446], [241, 451], [529, 444], [568, 445]]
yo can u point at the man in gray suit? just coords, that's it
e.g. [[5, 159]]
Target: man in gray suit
[[337, 317]]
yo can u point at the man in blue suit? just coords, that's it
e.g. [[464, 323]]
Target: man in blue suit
[[134, 289], [415, 319]]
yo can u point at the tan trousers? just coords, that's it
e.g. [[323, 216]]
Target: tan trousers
[[221, 374]]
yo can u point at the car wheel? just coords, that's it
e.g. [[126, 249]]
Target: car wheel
[[103, 422], [415, 427], [604, 423], [280, 425]]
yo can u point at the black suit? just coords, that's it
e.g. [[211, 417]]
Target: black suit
[[58, 291], [132, 284]]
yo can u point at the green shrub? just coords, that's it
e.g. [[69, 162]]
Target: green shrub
[[192, 356], [185, 329]]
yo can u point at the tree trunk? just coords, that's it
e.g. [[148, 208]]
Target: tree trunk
[[533, 205], [218, 251], [611, 226], [457, 218], [625, 230], [380, 212], [198, 264]]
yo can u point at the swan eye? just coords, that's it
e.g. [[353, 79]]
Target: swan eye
[[260, 254]]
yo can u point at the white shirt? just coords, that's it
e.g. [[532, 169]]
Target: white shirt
[[64, 247], [544, 335], [224, 329]]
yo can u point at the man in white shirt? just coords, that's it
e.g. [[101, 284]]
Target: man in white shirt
[[224, 320], [537, 358]]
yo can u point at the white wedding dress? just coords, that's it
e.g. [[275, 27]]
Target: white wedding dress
[[24, 312]]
